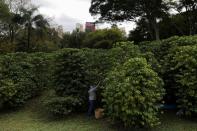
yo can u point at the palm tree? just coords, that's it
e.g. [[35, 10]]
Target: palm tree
[[32, 21], [4, 17]]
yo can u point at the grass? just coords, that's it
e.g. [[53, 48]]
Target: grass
[[170, 122], [32, 118], [27, 121]]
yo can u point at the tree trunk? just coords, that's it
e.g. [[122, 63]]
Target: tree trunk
[[28, 36], [12, 37], [11, 33], [190, 26], [189, 21], [150, 31], [156, 29]]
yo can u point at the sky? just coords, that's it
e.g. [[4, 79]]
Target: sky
[[69, 12]]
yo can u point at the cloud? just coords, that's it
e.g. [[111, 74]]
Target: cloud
[[65, 12], [42, 3], [68, 12], [67, 22]]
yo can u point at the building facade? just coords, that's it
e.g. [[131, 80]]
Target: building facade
[[90, 27]]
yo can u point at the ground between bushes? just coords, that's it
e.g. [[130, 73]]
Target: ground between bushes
[[33, 118]]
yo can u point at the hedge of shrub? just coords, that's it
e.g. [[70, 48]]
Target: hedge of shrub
[[20, 78], [174, 56], [132, 92], [125, 71], [100, 62], [63, 106], [151, 59], [151, 46], [42, 67], [181, 69], [71, 83], [163, 47], [77, 69], [71, 74]]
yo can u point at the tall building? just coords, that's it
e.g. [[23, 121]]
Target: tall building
[[79, 27], [90, 27]]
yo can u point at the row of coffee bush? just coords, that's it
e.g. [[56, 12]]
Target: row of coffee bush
[[76, 69], [178, 57], [22, 76], [131, 91], [134, 79]]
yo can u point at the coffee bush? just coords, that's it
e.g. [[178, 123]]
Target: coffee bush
[[21, 77], [181, 68], [100, 61], [71, 75], [132, 93], [70, 82], [63, 106]]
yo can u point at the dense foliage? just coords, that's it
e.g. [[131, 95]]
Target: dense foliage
[[162, 48], [23, 28], [70, 82], [103, 39], [100, 62], [99, 39], [118, 10], [129, 74], [132, 93], [76, 70], [73, 40], [71, 75], [180, 68], [62, 106], [22, 76], [176, 56]]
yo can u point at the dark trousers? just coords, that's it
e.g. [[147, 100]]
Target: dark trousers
[[91, 107]]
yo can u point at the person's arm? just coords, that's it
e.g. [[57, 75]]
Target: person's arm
[[92, 89], [95, 88], [98, 84]]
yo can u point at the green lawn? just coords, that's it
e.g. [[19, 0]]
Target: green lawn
[[32, 118], [28, 121]]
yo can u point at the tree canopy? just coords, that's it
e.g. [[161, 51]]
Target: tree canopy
[[119, 10]]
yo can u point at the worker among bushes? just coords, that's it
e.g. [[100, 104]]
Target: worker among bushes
[[92, 99]]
